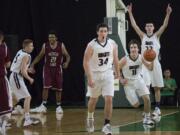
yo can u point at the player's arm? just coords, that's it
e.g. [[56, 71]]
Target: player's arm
[[87, 56], [121, 63], [66, 54], [116, 60], [148, 65], [39, 57], [133, 22], [24, 69], [7, 59], [8, 64], [165, 23]]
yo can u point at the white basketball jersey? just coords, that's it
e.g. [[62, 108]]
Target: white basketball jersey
[[133, 68], [102, 58], [16, 65], [150, 42]]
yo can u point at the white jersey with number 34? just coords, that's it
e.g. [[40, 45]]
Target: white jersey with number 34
[[102, 58]]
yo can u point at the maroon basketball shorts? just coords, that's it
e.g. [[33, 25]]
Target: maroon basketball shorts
[[52, 78], [5, 96]]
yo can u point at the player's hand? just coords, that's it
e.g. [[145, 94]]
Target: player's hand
[[129, 8], [31, 70], [116, 76], [123, 81], [31, 81], [169, 9], [91, 83], [65, 65]]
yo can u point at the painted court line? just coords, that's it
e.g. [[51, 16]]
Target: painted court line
[[126, 124]]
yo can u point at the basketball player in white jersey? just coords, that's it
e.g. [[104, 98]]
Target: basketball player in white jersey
[[19, 69], [101, 53], [151, 40], [134, 85]]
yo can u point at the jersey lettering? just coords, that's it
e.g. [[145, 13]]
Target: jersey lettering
[[134, 69]]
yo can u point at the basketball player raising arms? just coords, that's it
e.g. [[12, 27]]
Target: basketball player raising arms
[[101, 53], [151, 40]]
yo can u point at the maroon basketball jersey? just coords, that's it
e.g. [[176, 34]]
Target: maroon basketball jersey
[[53, 57], [4, 58]]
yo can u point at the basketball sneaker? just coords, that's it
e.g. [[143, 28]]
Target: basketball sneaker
[[157, 112], [107, 129], [41, 117], [41, 109], [148, 121], [18, 110], [90, 125], [3, 127], [59, 109], [29, 122]]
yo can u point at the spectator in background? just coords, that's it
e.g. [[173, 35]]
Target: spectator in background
[[170, 85]]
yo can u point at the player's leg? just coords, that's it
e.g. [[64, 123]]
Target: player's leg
[[143, 92], [130, 92], [157, 92], [108, 93], [90, 114], [5, 103], [157, 84], [47, 84], [45, 94], [58, 86], [147, 109], [58, 102], [108, 109], [93, 93]]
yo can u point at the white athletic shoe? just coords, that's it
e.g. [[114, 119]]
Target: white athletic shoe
[[59, 116], [29, 122], [157, 112], [41, 117], [107, 129], [59, 109], [3, 127], [156, 119], [90, 125], [148, 121], [18, 110], [40, 109]]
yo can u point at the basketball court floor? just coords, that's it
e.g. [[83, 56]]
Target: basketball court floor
[[73, 122]]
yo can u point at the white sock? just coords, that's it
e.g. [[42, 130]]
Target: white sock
[[90, 115], [147, 114], [27, 116]]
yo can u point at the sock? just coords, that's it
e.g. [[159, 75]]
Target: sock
[[106, 121], [157, 104], [90, 115], [27, 116], [58, 104], [44, 103], [147, 114]]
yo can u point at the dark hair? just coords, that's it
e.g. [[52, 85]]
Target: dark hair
[[53, 32], [101, 25], [26, 42], [134, 41], [1, 34], [149, 22]]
